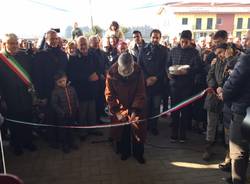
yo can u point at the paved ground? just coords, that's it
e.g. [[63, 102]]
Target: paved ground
[[167, 163]]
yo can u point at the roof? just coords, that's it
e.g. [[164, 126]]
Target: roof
[[209, 7], [181, 4]]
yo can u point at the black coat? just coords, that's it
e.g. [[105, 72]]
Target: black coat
[[215, 79], [209, 59], [64, 102], [14, 91], [79, 69], [46, 64], [237, 88], [152, 60], [101, 60], [189, 56], [112, 55]]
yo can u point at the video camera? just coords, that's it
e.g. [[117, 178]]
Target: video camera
[[29, 49], [56, 30]]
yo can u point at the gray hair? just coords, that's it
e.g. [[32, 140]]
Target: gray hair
[[8, 36]]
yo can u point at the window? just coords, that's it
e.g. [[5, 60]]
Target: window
[[184, 21], [210, 23], [248, 23], [239, 23], [198, 23], [238, 34], [219, 21]]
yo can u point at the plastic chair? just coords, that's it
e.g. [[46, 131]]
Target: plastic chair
[[10, 179]]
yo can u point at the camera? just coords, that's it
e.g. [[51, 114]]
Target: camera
[[29, 44], [56, 30]]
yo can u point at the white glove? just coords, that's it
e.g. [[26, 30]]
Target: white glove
[[1, 119]]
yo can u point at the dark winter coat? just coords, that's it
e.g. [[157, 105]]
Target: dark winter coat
[[188, 56], [209, 59], [134, 50], [237, 88], [215, 79], [101, 62], [46, 63], [14, 91], [79, 69], [152, 60], [126, 95], [112, 55], [64, 102]]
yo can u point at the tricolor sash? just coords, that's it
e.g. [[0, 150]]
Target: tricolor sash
[[12, 63]]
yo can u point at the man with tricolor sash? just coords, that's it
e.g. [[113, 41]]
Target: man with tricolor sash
[[16, 87]]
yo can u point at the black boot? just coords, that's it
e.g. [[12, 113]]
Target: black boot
[[18, 151], [140, 159], [208, 151], [239, 169], [125, 157]]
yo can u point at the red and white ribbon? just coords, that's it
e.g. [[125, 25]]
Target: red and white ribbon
[[173, 109]]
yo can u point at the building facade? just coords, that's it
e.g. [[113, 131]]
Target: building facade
[[206, 18]]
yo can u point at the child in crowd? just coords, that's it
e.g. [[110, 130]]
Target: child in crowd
[[64, 102]]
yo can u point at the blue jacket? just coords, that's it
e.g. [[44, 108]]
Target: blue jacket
[[237, 88]]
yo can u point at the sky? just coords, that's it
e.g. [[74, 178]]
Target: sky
[[34, 17], [31, 18]]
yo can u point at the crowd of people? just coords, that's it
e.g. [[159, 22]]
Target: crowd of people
[[73, 82]]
